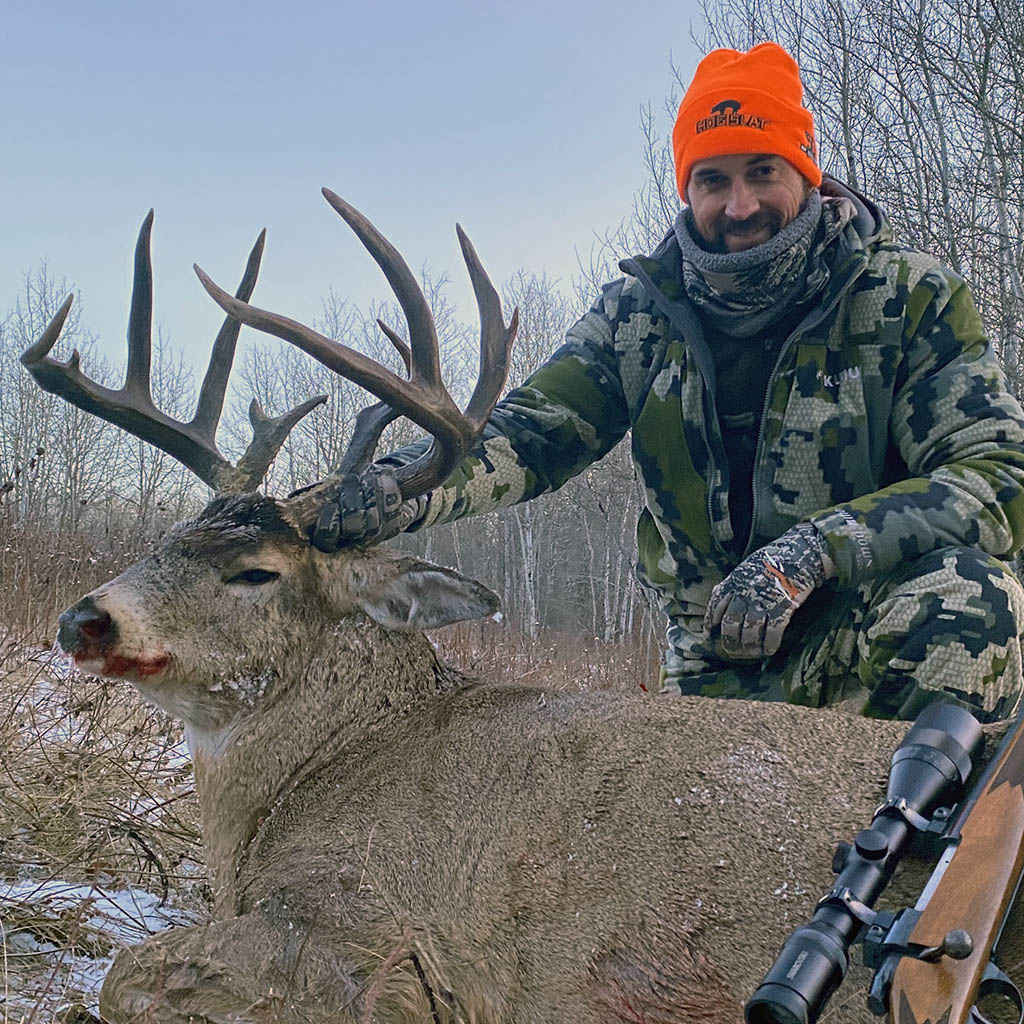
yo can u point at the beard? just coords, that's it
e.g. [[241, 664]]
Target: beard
[[764, 220]]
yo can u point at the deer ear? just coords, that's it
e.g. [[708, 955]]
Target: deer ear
[[419, 595]]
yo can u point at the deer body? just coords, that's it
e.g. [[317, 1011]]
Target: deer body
[[391, 841]]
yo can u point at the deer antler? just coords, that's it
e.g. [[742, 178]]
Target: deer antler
[[131, 407], [422, 398]]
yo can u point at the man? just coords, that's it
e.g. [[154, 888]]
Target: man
[[832, 464]]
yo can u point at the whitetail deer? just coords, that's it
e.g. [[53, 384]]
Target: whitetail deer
[[391, 841]]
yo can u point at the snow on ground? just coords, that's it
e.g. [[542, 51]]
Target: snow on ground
[[59, 940]]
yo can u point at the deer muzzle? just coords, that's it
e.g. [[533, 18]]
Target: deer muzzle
[[86, 630]]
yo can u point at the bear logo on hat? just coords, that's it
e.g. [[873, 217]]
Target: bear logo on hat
[[726, 107]]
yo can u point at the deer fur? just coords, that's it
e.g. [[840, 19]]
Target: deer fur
[[391, 841]]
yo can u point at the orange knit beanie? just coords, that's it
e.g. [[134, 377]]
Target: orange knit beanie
[[745, 103]]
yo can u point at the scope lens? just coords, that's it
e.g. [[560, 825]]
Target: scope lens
[[776, 1004], [772, 1015]]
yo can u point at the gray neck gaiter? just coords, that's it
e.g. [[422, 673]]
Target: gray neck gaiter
[[745, 292]]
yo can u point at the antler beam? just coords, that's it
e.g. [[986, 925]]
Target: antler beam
[[422, 398], [131, 407]]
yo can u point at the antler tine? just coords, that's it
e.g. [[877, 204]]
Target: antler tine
[[215, 383], [371, 421], [399, 344], [268, 434], [39, 350], [140, 319], [426, 362], [495, 338], [131, 407]]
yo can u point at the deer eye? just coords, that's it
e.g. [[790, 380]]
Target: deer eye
[[254, 577]]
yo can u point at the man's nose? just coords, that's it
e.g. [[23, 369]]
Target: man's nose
[[742, 203]]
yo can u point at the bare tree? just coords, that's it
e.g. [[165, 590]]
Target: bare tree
[[920, 103], [54, 459]]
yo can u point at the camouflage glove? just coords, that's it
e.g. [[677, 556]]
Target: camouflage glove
[[755, 603], [365, 508]]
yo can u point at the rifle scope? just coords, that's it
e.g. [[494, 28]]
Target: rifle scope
[[929, 771]]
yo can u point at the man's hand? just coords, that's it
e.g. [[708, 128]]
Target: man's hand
[[754, 604], [365, 507]]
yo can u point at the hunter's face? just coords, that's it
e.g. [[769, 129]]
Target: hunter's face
[[742, 200]]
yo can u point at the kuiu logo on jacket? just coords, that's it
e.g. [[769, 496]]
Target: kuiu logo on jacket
[[833, 380], [727, 112]]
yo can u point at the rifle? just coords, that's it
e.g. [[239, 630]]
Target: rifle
[[971, 891], [932, 961]]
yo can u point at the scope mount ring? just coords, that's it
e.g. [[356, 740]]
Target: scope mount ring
[[898, 807], [845, 899]]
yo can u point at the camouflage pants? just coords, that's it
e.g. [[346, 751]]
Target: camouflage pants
[[947, 625]]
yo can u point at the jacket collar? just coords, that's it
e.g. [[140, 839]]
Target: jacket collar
[[661, 272]]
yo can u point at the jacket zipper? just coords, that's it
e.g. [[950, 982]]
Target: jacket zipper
[[709, 490]]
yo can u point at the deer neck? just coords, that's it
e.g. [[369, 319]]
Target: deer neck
[[357, 680]]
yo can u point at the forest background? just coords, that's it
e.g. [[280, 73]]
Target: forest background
[[918, 103]]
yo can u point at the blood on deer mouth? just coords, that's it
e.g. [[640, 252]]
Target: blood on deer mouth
[[119, 666]]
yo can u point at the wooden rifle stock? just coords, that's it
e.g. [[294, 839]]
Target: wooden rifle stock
[[972, 890]]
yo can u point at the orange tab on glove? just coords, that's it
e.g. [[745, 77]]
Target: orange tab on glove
[[752, 607]]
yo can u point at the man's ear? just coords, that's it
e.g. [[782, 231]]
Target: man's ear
[[410, 594]]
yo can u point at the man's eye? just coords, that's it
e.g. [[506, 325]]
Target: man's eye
[[254, 577]]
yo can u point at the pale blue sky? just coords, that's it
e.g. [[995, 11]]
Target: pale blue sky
[[519, 120]]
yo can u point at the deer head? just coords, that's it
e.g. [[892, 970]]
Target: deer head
[[226, 594]]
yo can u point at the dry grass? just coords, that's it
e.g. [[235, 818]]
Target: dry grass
[[44, 570], [97, 799], [95, 782]]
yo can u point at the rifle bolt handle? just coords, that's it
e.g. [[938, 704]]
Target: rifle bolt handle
[[958, 944]]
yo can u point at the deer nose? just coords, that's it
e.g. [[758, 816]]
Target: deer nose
[[85, 625]]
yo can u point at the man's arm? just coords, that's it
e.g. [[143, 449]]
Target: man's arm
[[960, 433], [569, 413]]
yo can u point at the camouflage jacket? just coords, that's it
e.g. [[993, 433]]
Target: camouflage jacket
[[887, 423]]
